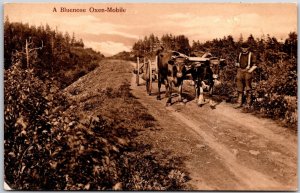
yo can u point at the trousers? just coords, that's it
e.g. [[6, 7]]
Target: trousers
[[243, 80]]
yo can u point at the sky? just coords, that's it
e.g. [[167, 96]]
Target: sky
[[113, 32]]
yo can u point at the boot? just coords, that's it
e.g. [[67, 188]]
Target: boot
[[201, 100], [248, 100], [239, 102]]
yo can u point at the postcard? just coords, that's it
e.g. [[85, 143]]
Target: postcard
[[150, 96]]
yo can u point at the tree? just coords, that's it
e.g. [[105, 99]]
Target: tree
[[23, 45], [251, 41], [73, 39], [67, 38], [168, 41], [182, 44], [241, 39], [7, 43], [290, 45]]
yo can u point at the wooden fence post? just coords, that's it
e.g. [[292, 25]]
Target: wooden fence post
[[156, 64], [150, 74]]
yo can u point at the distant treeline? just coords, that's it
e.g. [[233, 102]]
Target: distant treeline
[[124, 56], [219, 46], [148, 45], [48, 52]]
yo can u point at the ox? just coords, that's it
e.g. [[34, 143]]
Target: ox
[[213, 72], [171, 71], [204, 69]]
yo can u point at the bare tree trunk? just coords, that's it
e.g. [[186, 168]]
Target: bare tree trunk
[[52, 53], [27, 54], [138, 71]]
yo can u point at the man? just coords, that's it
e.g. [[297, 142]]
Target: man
[[246, 64]]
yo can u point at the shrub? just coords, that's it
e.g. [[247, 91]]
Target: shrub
[[49, 147]]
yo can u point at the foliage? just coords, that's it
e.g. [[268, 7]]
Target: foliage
[[58, 53], [49, 146], [276, 96], [124, 56], [149, 45]]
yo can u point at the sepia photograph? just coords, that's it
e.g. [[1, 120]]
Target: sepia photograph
[[150, 96]]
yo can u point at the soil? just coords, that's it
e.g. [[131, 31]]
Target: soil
[[223, 148]]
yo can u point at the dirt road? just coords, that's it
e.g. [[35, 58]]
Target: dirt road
[[223, 148]]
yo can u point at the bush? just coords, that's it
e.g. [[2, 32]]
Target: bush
[[276, 97], [49, 147]]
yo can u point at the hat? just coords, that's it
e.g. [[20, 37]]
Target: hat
[[245, 45]]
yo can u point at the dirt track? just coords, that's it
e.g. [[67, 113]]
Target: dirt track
[[223, 148]]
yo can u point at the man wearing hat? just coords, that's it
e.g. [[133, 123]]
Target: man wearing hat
[[246, 64]]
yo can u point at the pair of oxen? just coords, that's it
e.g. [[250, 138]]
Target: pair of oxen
[[174, 68]]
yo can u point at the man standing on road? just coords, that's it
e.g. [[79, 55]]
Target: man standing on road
[[246, 64]]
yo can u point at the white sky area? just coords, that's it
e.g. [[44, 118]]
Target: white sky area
[[111, 33]]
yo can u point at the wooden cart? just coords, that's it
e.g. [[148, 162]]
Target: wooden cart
[[147, 70]]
